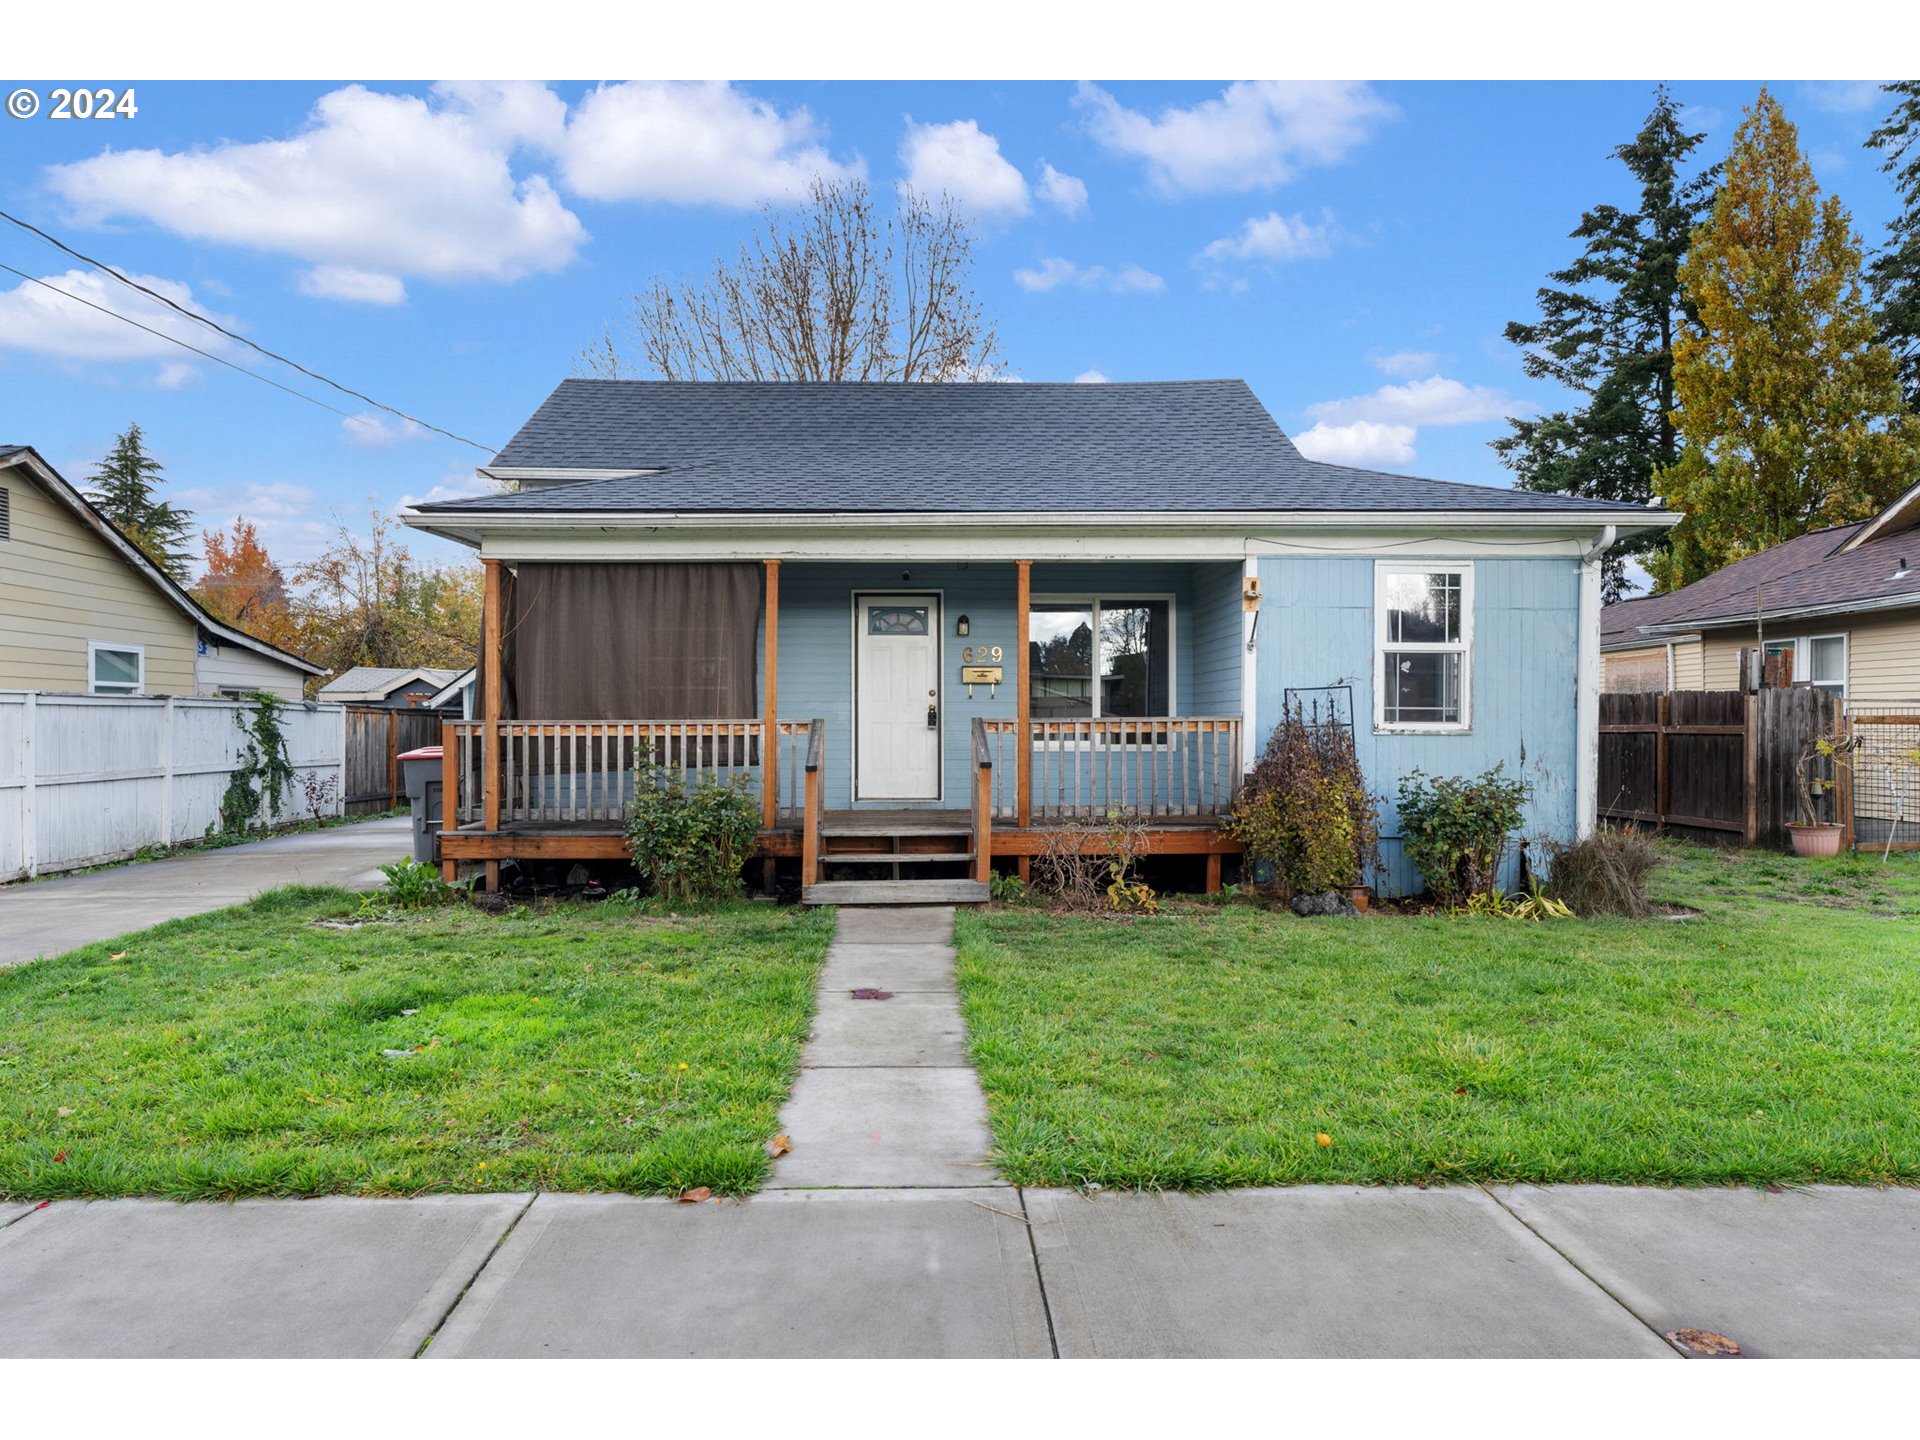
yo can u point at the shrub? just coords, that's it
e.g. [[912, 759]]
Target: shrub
[[1305, 809], [1604, 874], [1455, 829], [690, 841], [412, 885], [1085, 864]]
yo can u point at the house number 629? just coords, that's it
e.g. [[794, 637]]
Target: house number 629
[[981, 655]]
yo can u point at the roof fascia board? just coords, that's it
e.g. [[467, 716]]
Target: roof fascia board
[[1893, 519], [57, 486], [1798, 612]]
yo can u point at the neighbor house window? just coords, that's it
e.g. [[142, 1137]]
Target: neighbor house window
[[1094, 658], [1423, 650], [1826, 662], [115, 669]]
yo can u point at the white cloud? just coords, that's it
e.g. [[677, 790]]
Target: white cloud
[[1435, 400], [962, 160], [458, 483], [390, 185], [273, 500], [370, 431], [1364, 442], [1092, 377], [1274, 236], [343, 282], [1405, 362], [1255, 134], [1054, 272], [176, 375], [1847, 97], [703, 143], [33, 317], [1066, 193]]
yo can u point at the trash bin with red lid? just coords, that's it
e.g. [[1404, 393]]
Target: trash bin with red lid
[[420, 773]]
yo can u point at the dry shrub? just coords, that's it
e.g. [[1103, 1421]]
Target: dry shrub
[[1605, 874], [1080, 859]]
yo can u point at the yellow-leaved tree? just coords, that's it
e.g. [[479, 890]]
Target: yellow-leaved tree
[[1790, 411]]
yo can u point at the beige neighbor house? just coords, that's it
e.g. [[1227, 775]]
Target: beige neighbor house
[[1838, 609], [82, 610]]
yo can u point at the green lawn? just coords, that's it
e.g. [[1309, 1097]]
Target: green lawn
[[247, 1052], [1773, 1037]]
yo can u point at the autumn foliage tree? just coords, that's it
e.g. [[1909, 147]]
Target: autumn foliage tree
[[244, 587], [1789, 408], [365, 600]]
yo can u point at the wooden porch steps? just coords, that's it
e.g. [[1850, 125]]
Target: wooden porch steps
[[895, 892]]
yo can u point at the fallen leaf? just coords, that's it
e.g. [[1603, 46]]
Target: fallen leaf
[[1773, 1189], [59, 1157], [1704, 1342], [694, 1196], [1323, 1140], [869, 993], [409, 1012], [64, 1111], [779, 1146], [118, 955]]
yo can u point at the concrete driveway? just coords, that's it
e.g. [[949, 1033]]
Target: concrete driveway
[[1570, 1271], [47, 917]]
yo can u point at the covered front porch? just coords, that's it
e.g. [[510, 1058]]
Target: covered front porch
[[908, 719]]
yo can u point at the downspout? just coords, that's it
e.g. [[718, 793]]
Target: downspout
[[1587, 689]]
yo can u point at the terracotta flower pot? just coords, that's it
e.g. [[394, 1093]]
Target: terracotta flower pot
[[1359, 895], [1815, 840]]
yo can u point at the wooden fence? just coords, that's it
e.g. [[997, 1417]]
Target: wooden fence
[[376, 738], [1714, 764], [85, 779]]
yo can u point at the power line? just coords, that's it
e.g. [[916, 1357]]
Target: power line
[[173, 340], [195, 315]]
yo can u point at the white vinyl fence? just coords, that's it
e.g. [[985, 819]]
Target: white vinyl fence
[[89, 778]]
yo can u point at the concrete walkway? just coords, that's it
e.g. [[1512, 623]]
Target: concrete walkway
[[886, 1096], [49, 917], [1318, 1271]]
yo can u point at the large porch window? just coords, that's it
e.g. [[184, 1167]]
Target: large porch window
[[1092, 658]]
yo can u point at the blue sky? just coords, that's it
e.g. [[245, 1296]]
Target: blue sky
[[1352, 251]]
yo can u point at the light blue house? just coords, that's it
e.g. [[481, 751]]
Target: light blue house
[[935, 624]]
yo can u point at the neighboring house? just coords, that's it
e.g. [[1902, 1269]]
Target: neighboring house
[[81, 609], [1838, 609], [456, 697], [933, 623], [392, 689]]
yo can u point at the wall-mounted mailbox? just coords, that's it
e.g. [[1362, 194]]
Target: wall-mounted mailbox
[[981, 674]]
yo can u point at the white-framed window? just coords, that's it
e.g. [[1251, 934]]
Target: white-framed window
[[1423, 646], [115, 669], [1822, 663], [1099, 657]]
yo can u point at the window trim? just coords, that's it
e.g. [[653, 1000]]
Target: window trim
[[1382, 642], [1803, 660], [1094, 600], [94, 647]]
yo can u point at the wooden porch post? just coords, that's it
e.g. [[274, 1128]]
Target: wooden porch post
[[770, 716], [449, 794], [490, 706], [1022, 702]]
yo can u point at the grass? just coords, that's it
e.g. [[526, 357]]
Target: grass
[[283, 1048], [1772, 1038]]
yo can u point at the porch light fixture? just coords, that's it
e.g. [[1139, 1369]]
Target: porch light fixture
[[963, 626]]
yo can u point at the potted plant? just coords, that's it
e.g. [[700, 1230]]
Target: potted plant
[[1305, 813], [1811, 835]]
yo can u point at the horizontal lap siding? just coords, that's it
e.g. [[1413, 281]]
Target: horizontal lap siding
[[1883, 654], [1316, 628]]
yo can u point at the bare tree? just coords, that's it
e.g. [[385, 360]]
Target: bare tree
[[832, 290]]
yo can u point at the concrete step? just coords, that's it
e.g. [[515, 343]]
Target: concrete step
[[895, 892]]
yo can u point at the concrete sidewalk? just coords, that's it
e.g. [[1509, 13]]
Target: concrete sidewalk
[[48, 917], [990, 1271]]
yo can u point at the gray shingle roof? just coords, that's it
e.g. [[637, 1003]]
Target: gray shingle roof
[[1205, 445], [379, 679]]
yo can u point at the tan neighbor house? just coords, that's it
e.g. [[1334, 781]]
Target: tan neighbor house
[[1838, 609], [82, 610]]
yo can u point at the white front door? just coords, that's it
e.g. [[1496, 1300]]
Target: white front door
[[896, 697]]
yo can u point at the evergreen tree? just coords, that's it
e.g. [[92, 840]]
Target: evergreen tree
[[1895, 271], [122, 488], [1789, 408], [1606, 330]]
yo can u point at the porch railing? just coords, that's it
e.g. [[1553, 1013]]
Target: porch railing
[[581, 772], [1153, 766]]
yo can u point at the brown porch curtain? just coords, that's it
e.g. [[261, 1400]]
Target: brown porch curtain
[[630, 641]]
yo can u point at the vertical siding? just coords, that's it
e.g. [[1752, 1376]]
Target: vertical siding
[[1316, 628], [816, 643]]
